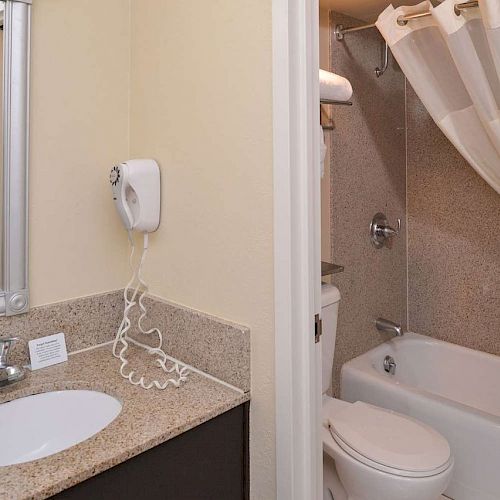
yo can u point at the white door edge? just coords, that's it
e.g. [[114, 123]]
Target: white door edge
[[296, 248]]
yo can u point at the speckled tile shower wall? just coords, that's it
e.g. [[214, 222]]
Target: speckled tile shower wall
[[453, 240], [367, 176], [453, 216]]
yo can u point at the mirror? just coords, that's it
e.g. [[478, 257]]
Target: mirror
[[15, 39], [2, 12]]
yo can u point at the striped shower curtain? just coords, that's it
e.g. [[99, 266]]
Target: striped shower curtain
[[452, 60]]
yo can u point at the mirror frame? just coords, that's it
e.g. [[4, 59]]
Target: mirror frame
[[14, 293]]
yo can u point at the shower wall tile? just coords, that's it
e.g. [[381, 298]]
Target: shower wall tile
[[210, 344], [367, 176], [453, 240]]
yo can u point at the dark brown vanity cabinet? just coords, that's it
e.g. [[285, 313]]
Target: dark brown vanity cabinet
[[209, 462]]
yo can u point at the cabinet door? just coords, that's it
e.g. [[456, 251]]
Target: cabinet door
[[205, 463]]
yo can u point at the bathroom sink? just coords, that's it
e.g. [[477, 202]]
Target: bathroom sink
[[37, 426]]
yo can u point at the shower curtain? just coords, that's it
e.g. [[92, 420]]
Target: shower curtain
[[453, 63]]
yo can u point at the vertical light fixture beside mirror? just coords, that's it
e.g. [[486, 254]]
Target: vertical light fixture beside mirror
[[14, 294]]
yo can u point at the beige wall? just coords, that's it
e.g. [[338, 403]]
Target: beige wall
[[201, 105], [190, 83], [79, 128]]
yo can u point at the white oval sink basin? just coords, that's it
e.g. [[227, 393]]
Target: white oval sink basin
[[43, 424]]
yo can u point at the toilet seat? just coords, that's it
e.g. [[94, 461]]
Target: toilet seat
[[387, 441]]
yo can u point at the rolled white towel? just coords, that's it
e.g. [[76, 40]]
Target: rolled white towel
[[334, 87]]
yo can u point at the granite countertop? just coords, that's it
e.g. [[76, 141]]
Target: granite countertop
[[148, 418]]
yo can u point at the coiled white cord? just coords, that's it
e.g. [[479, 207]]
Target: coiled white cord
[[179, 372]]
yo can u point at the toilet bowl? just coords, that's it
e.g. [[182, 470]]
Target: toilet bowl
[[371, 453], [382, 455]]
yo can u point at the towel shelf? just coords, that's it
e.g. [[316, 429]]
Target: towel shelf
[[341, 103], [327, 268], [335, 103]]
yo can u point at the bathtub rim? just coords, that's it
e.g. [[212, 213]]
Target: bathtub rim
[[363, 364]]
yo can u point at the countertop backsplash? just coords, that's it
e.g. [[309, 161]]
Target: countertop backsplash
[[217, 347]]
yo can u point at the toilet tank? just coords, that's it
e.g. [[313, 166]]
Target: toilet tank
[[330, 298]]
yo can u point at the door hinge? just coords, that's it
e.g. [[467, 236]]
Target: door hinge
[[318, 326]]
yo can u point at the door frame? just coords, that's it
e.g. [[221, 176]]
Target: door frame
[[297, 260]]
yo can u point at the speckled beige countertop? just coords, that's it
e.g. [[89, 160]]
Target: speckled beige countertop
[[148, 418]]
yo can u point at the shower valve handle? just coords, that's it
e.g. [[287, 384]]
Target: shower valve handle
[[389, 232], [381, 232]]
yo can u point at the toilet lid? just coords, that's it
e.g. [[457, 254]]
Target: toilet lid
[[389, 439]]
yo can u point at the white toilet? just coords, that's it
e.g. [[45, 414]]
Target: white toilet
[[370, 453]]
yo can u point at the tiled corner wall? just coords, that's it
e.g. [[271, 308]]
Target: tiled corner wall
[[447, 282], [367, 176], [215, 346], [453, 240]]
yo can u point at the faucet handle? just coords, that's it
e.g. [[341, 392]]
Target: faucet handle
[[389, 232], [381, 233], [5, 346]]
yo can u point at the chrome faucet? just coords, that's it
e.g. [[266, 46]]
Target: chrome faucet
[[386, 326], [8, 373]]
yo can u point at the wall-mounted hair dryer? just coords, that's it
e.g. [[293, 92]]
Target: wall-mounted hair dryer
[[136, 192]]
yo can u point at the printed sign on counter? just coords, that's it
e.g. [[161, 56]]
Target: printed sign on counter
[[47, 351]]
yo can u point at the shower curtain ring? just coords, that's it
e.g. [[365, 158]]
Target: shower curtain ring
[[402, 21]]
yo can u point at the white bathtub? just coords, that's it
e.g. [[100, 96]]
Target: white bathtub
[[453, 389]]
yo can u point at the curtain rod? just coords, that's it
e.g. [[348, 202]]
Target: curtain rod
[[340, 31]]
